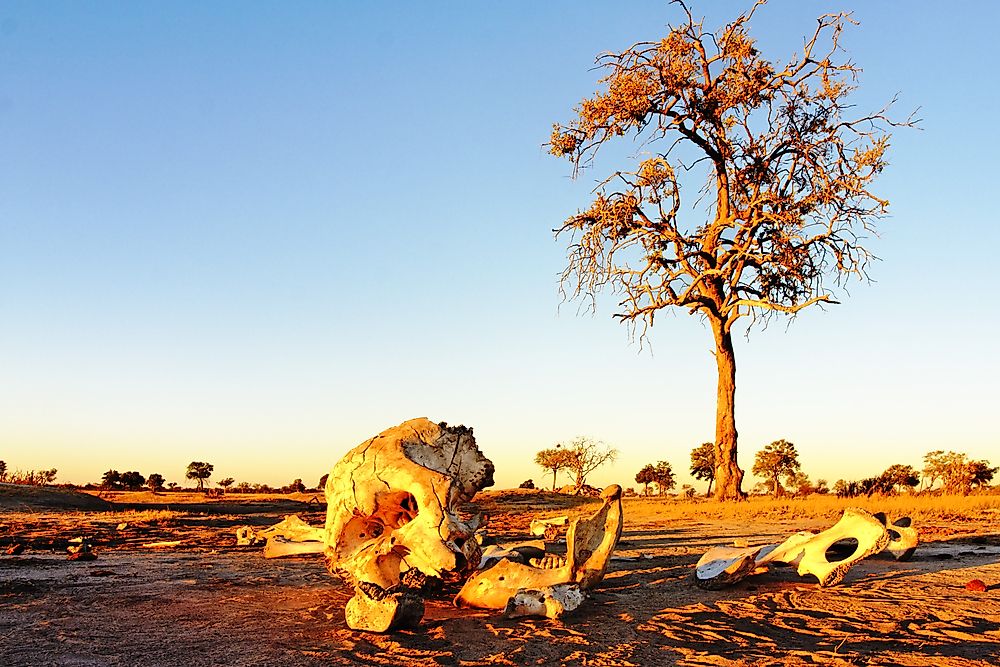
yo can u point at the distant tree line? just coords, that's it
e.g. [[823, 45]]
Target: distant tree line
[[28, 477]]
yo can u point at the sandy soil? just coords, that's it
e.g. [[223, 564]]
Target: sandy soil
[[208, 602]]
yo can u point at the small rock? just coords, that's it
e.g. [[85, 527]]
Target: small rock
[[82, 556], [976, 585], [741, 543], [121, 527]]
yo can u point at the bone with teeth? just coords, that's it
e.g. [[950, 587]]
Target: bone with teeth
[[589, 545], [723, 566]]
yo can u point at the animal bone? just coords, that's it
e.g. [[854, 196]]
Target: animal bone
[[293, 529], [903, 537], [551, 601], [392, 503], [540, 527], [290, 537], [723, 566], [375, 609], [247, 537], [279, 547], [589, 544]]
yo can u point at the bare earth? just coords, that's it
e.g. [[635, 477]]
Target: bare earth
[[208, 602]]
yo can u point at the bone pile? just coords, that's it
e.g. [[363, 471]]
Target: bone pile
[[724, 566]]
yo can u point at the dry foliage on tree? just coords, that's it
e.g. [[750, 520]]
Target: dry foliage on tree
[[787, 193]]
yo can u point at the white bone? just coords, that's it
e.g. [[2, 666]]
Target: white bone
[[293, 529], [246, 536], [392, 503], [374, 609], [539, 526], [589, 545], [903, 537], [551, 601], [723, 566], [279, 547]]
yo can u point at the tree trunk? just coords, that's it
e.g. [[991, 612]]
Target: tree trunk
[[728, 476], [708, 493], [554, 471]]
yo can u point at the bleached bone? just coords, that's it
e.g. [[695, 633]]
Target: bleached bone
[[375, 609], [589, 545], [903, 537], [392, 503], [539, 527], [551, 601], [723, 566], [247, 537], [293, 529], [279, 547], [521, 552]]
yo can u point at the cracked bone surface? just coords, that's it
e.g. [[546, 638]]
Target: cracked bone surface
[[375, 609], [724, 566], [551, 601], [589, 544], [392, 503]]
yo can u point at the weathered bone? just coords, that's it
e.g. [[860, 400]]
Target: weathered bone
[[247, 537], [551, 601], [392, 501], [903, 537], [293, 529], [589, 545], [279, 547], [723, 566], [375, 609], [540, 527]]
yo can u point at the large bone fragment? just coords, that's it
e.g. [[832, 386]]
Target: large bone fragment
[[551, 601], [724, 566], [392, 504], [293, 529], [375, 609], [903, 537], [589, 545], [279, 547], [290, 537]]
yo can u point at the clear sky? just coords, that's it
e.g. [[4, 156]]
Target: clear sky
[[256, 234]]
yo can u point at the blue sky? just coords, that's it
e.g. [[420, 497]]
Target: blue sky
[[257, 234]]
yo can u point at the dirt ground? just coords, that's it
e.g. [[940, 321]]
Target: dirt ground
[[209, 602]]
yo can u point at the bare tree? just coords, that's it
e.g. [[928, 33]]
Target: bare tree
[[587, 455], [786, 203]]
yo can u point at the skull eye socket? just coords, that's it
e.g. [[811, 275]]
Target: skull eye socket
[[395, 509]]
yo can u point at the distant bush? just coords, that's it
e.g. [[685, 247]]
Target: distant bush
[[31, 477]]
